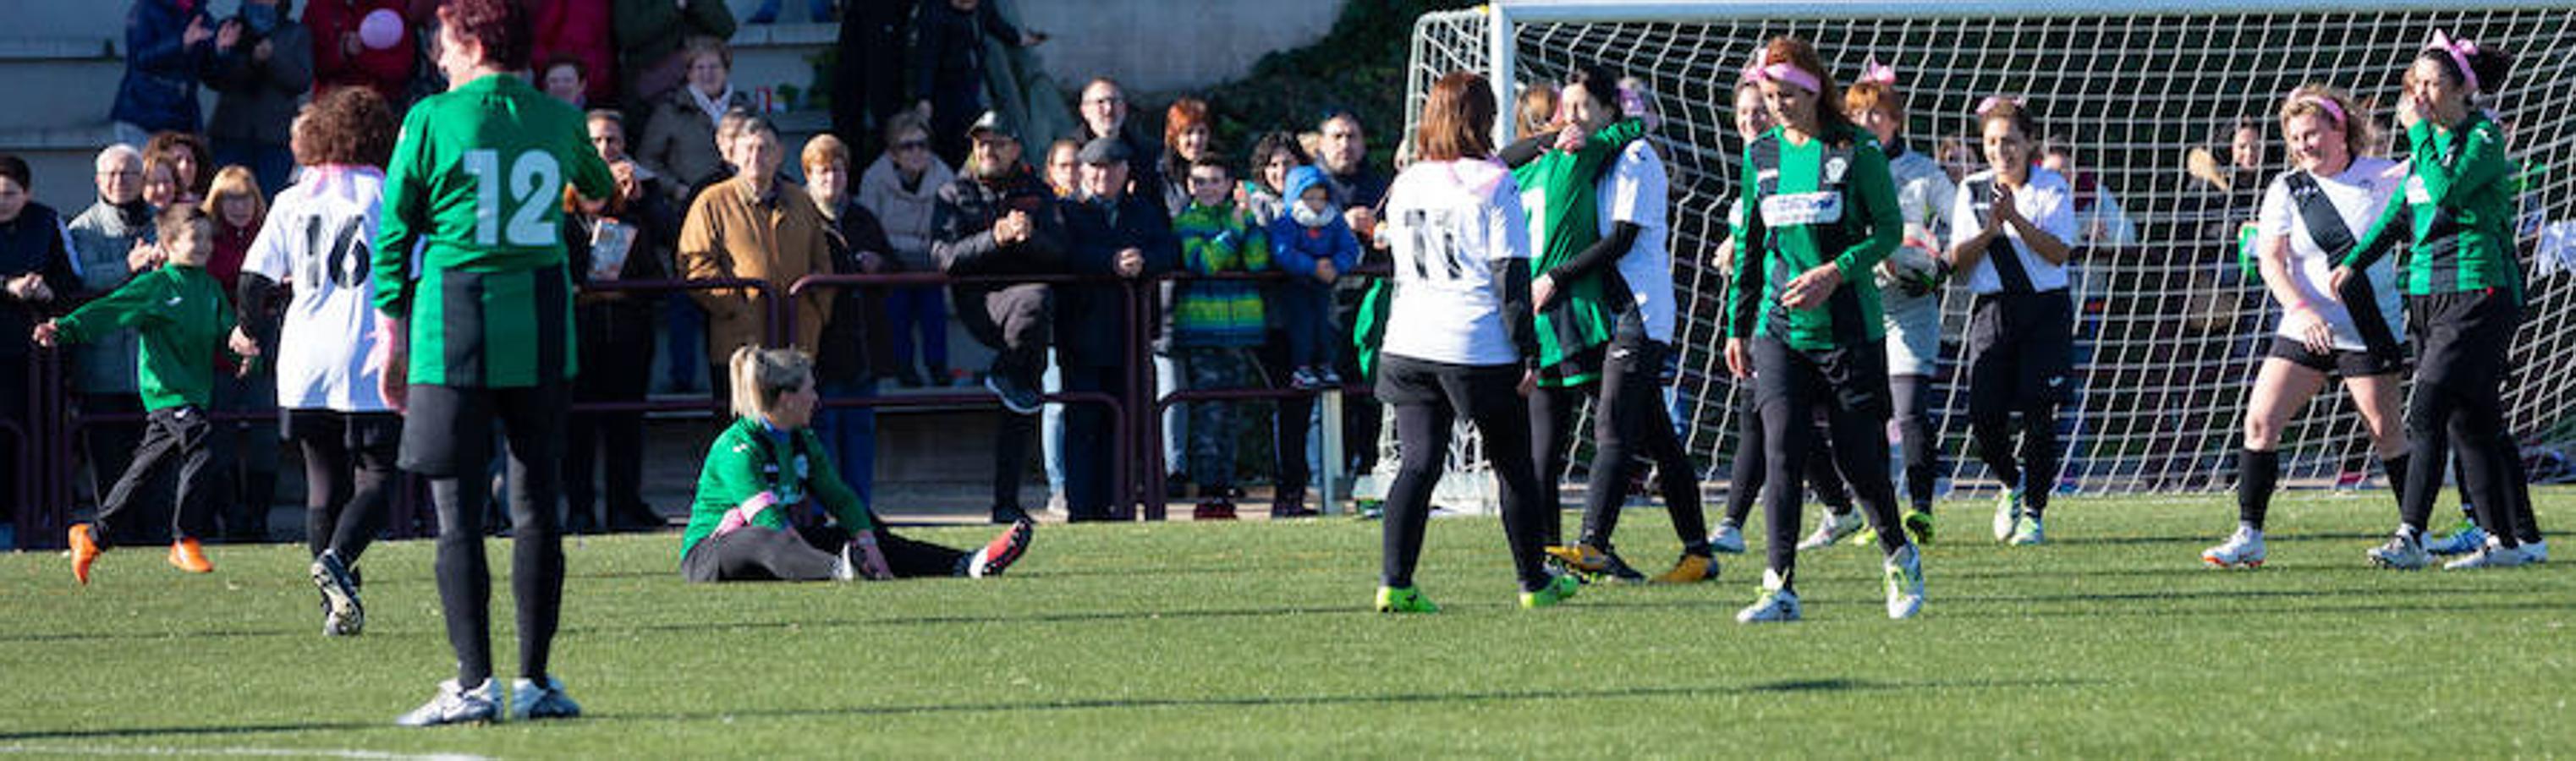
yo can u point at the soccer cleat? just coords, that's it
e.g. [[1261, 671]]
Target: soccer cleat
[[1728, 538], [2007, 513], [998, 555], [1558, 589], [2028, 532], [1835, 528], [2461, 541], [2537, 551], [1016, 396], [342, 615], [1404, 600], [2402, 552], [187, 555], [1904, 571], [85, 550], [2243, 549], [2493, 555], [532, 700], [1690, 569], [1776, 604], [1918, 526], [1595, 563], [1368, 509], [455, 704]]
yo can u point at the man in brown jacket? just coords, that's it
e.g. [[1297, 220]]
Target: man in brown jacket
[[756, 226]]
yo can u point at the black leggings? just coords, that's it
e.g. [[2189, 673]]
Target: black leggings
[[348, 476], [757, 553], [1428, 396], [1913, 396], [447, 437], [1851, 386], [1751, 469], [1551, 426], [2020, 349], [1629, 418], [2461, 342]]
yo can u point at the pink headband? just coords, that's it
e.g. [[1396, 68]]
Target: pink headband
[[2460, 50], [1873, 72], [2327, 104], [1789, 73], [1992, 101]]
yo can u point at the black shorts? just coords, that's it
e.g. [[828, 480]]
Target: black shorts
[[2341, 362], [2021, 349], [447, 433], [1852, 378], [356, 431]]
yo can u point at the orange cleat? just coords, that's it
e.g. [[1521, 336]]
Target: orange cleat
[[185, 555], [85, 551]]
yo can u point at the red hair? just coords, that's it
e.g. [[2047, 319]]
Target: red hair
[[497, 25]]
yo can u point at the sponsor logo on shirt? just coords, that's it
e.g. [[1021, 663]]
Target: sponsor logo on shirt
[[1802, 209], [2415, 192]]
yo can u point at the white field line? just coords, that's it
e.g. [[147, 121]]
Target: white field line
[[370, 755]]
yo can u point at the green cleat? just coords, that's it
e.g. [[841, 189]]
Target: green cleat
[[1558, 589], [1404, 600], [1863, 538], [1918, 525]]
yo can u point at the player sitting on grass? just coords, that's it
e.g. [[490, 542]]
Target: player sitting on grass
[[771, 504], [183, 316]]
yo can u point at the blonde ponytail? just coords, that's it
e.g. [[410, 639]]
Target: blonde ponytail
[[760, 376]]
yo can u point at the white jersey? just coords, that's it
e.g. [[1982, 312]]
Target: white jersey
[[2045, 200], [1450, 226], [1636, 191], [318, 240], [2359, 194], [1923, 192]]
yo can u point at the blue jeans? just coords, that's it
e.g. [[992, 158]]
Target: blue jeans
[[1303, 308], [685, 343], [1051, 427], [768, 12], [272, 164], [851, 434], [921, 308], [1176, 418]]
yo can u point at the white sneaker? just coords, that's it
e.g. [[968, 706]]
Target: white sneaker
[[532, 700], [1834, 529], [457, 705], [2402, 552], [2466, 540], [1776, 605], [2494, 555], [2243, 549], [1904, 583], [2537, 552], [2007, 513], [1727, 538], [2027, 532]]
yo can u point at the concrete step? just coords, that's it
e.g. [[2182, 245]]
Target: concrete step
[[61, 159]]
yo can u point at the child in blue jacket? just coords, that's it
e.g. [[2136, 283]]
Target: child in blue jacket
[[1314, 246]]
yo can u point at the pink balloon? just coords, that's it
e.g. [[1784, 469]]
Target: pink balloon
[[381, 29]]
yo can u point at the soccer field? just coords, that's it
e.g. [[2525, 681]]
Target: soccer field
[[1255, 639]]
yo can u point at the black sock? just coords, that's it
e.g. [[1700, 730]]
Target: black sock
[[2257, 471], [2396, 467]]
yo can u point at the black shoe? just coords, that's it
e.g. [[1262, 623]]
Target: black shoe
[[581, 522], [937, 377], [1009, 514], [1016, 396], [907, 378]]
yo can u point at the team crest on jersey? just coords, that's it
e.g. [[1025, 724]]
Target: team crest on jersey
[[1791, 209], [2415, 192], [1834, 169]]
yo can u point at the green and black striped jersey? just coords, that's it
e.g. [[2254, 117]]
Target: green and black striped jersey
[[2458, 207], [477, 181], [1829, 200]]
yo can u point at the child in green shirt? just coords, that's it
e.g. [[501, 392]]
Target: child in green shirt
[[181, 313]]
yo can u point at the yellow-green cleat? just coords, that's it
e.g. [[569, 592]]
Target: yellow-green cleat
[[1404, 600], [1558, 589]]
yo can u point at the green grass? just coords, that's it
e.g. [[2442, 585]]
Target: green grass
[[1253, 639]]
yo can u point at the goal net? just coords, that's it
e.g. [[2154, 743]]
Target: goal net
[[2170, 329]]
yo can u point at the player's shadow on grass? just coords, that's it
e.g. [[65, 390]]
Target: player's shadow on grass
[[2206, 538]]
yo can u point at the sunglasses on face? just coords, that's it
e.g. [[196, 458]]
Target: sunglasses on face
[[911, 145]]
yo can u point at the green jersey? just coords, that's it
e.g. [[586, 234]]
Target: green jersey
[[1560, 192], [477, 182], [2458, 205], [1831, 201], [750, 458], [183, 317]]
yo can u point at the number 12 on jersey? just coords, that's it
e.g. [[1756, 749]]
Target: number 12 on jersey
[[535, 183]]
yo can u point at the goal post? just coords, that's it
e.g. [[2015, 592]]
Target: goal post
[[2170, 329]]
